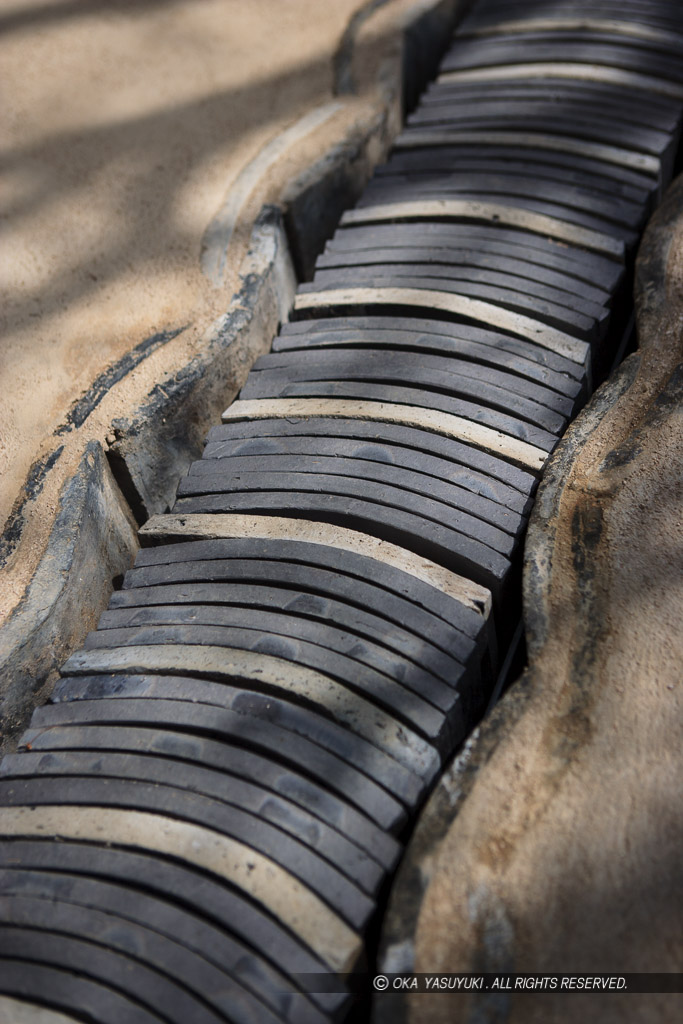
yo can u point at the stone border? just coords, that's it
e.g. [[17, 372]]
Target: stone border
[[153, 448], [93, 537], [92, 540], [315, 201], [649, 376]]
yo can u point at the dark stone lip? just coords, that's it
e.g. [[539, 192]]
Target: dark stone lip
[[75, 418]]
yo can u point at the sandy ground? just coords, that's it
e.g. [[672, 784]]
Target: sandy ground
[[125, 124]]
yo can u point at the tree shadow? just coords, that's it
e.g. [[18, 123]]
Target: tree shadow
[[190, 133], [47, 13]]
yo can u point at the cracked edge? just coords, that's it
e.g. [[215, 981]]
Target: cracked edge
[[153, 448]]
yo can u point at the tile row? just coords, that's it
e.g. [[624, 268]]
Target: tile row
[[205, 815]]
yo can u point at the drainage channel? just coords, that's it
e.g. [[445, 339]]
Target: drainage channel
[[209, 811]]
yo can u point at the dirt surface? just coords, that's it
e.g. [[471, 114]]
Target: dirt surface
[[565, 855], [127, 123]]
